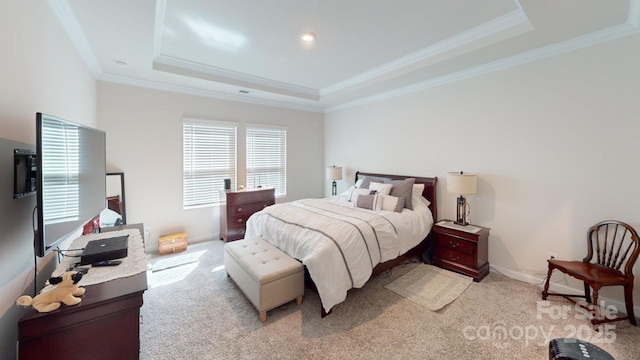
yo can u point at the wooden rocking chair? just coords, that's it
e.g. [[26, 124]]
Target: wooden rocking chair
[[616, 247]]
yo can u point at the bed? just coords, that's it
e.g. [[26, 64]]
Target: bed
[[342, 245]]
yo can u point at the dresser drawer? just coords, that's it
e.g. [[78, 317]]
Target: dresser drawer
[[235, 233], [249, 197], [238, 220], [446, 254], [454, 243], [247, 209]]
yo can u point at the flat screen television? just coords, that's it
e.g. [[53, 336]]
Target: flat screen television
[[70, 180]]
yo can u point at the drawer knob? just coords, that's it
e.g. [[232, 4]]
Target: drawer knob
[[239, 209], [239, 220], [453, 244], [241, 231], [454, 258]]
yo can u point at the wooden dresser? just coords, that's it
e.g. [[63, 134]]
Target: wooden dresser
[[462, 251], [239, 207], [105, 325]]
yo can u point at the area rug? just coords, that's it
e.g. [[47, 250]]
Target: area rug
[[430, 287]]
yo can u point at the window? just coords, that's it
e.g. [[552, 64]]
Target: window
[[60, 171], [209, 150], [267, 157]]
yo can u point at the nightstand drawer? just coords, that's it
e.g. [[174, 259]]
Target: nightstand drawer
[[457, 257], [454, 243]]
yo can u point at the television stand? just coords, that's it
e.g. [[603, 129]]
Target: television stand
[[105, 325]]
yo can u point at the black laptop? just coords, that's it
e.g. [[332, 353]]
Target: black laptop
[[105, 249]]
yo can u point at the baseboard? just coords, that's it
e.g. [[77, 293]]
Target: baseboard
[[555, 287]]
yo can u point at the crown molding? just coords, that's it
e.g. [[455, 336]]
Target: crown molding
[[70, 24], [205, 93], [178, 65], [158, 26], [634, 13], [511, 20], [583, 41]]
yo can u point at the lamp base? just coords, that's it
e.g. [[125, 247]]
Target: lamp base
[[334, 188], [460, 210]]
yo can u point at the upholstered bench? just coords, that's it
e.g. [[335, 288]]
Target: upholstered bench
[[267, 276]]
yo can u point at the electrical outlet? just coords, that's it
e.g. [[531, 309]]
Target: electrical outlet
[[551, 255]]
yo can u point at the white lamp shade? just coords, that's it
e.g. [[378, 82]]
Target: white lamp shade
[[334, 172], [462, 184]]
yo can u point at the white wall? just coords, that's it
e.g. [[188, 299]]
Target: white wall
[[144, 140], [40, 71], [555, 145]]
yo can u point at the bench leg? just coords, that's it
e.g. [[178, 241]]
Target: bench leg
[[263, 316], [299, 300]]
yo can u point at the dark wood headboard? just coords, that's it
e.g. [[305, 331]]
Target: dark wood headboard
[[428, 193]]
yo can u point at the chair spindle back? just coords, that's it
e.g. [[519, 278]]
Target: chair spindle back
[[616, 244]]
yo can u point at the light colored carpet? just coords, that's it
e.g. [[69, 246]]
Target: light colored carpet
[[430, 286], [194, 311]]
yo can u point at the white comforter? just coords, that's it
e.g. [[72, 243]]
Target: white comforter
[[338, 243]]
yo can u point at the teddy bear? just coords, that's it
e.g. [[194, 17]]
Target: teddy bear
[[65, 291]]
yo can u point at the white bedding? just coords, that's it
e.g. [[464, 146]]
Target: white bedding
[[338, 243]]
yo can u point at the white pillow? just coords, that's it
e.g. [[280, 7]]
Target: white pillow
[[417, 194], [380, 188], [418, 189], [392, 203], [354, 194], [358, 183]]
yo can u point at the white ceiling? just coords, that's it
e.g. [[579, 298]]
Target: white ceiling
[[366, 50]]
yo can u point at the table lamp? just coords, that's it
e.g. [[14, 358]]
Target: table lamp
[[461, 184], [334, 173]]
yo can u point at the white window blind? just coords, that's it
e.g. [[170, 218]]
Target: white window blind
[[209, 150], [267, 157], [60, 172]]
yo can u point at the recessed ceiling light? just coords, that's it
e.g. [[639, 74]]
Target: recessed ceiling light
[[308, 37]]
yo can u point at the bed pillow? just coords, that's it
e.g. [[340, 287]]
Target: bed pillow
[[380, 188], [403, 189], [357, 192], [365, 182], [372, 202], [392, 203], [417, 194], [418, 189]]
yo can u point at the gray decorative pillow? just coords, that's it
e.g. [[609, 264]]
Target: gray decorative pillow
[[368, 202], [365, 182], [403, 189]]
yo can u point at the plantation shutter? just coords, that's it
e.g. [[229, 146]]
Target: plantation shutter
[[60, 172], [267, 157], [209, 150]]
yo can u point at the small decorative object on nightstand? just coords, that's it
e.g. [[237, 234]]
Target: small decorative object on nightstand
[[463, 249], [461, 184], [334, 173]]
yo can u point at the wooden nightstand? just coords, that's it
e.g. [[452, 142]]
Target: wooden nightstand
[[462, 251]]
